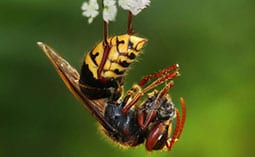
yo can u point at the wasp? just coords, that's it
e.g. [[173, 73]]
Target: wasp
[[142, 115]]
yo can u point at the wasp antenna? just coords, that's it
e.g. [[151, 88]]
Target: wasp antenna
[[183, 118]]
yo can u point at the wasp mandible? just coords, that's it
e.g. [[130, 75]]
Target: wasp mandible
[[143, 114]]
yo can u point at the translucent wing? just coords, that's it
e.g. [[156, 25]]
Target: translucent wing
[[71, 77]]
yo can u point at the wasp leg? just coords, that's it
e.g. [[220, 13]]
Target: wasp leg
[[173, 139], [158, 136], [131, 93], [71, 77], [179, 126], [152, 113], [154, 84], [145, 79], [132, 97], [107, 48]]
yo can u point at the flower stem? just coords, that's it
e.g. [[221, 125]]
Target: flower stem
[[105, 33], [130, 27]]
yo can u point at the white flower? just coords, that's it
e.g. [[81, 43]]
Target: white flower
[[124, 4], [90, 9], [110, 10], [135, 6], [109, 2]]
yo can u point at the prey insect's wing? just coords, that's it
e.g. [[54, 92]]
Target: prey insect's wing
[[71, 77]]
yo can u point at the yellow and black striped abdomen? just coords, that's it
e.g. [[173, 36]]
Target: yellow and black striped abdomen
[[123, 51]]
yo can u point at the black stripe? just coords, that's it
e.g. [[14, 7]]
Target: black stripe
[[118, 72], [119, 42], [124, 64], [93, 57], [131, 56], [88, 79]]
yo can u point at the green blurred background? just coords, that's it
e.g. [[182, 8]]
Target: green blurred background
[[213, 41]]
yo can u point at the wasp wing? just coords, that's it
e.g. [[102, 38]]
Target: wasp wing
[[71, 77]]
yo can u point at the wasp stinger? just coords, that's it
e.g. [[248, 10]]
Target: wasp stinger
[[143, 114]]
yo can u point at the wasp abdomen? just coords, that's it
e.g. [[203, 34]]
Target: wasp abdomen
[[123, 51], [94, 88], [106, 82]]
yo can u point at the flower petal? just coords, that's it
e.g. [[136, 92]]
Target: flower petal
[[90, 9], [135, 6], [109, 13]]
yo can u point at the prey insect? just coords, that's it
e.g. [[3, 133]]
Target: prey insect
[[143, 114]]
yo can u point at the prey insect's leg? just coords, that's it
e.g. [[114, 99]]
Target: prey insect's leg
[[154, 84]]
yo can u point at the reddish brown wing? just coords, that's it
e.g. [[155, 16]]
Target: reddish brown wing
[[71, 77]]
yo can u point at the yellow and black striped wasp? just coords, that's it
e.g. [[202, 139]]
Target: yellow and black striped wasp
[[143, 114]]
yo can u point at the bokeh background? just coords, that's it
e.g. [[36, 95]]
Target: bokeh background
[[213, 41]]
